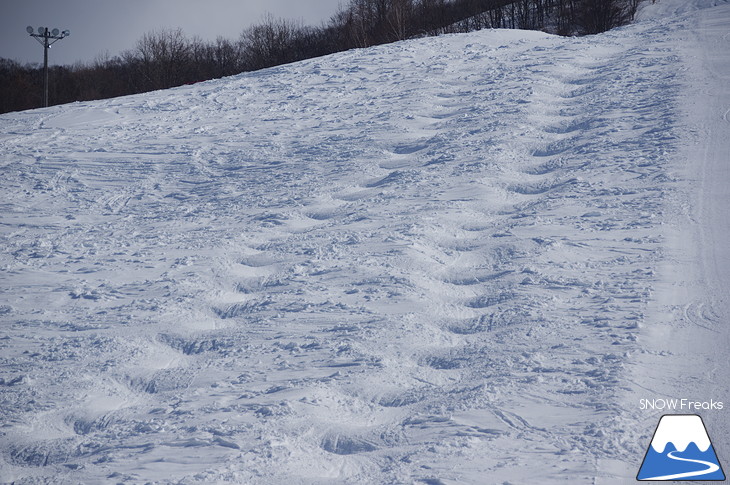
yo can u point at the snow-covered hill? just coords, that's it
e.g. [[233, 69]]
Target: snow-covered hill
[[459, 259]]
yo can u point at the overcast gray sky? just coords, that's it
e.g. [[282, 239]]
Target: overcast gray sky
[[113, 26]]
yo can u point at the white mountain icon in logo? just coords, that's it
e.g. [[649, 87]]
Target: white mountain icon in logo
[[681, 450]]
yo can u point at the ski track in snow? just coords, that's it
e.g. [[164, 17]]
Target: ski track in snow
[[426, 262]]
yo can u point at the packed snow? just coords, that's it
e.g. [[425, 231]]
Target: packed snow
[[460, 259]]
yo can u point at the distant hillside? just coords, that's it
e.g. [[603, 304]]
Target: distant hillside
[[169, 58]]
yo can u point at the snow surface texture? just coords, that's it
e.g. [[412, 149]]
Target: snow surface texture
[[459, 259]]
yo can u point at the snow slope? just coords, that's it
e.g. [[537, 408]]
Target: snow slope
[[686, 337], [448, 260]]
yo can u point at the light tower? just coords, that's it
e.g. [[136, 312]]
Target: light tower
[[46, 35]]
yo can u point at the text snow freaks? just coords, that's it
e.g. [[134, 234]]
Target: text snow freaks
[[679, 405]]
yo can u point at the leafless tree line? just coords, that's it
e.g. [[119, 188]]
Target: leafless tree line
[[168, 58]]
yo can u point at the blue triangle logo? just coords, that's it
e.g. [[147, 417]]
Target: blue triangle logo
[[681, 450]]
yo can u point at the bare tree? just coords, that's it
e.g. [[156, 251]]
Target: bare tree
[[400, 19], [163, 55], [269, 43], [595, 16]]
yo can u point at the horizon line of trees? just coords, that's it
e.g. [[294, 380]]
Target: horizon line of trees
[[167, 58]]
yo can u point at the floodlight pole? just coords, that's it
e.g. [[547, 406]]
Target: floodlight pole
[[46, 34], [46, 45]]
